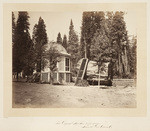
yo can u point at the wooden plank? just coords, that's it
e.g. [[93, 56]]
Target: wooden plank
[[82, 70]]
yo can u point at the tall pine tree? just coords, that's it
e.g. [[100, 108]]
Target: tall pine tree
[[39, 39], [91, 22], [29, 60], [109, 34], [100, 47], [120, 44], [13, 40], [22, 42], [73, 45], [59, 39], [64, 44], [133, 57]]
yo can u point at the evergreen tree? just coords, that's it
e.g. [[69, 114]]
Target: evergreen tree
[[13, 28], [39, 39], [21, 41], [112, 50], [13, 40], [73, 45], [64, 44], [91, 22], [109, 34], [120, 44], [34, 35], [59, 39], [133, 57], [100, 48], [29, 60]]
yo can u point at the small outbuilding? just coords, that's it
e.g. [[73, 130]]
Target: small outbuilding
[[63, 74]]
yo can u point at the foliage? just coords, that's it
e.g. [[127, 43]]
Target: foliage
[[13, 40], [21, 41], [133, 56], [13, 28], [91, 22], [30, 60], [120, 44], [100, 47], [39, 39], [64, 44], [101, 50], [73, 45], [59, 39], [104, 37]]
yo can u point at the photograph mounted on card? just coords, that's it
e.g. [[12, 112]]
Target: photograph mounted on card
[[72, 59]]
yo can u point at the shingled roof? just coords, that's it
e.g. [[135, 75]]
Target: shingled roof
[[58, 47]]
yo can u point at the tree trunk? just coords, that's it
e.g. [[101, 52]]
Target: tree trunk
[[51, 78], [99, 75], [28, 78], [110, 71], [99, 78], [126, 62], [17, 76], [119, 66], [85, 75]]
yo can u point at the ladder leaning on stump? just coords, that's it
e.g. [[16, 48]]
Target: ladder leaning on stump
[[82, 70]]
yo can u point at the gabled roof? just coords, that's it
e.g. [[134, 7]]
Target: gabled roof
[[58, 47]]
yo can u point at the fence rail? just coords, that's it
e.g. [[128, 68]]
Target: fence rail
[[124, 82]]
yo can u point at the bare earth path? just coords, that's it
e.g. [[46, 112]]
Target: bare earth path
[[34, 95]]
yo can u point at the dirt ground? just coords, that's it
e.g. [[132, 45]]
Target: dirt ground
[[69, 96]]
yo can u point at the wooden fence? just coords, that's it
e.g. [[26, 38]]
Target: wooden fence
[[124, 82]]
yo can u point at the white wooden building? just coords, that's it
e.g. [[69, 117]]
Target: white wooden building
[[63, 74]]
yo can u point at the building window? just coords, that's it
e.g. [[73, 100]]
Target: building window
[[67, 64]]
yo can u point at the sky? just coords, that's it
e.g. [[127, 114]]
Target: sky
[[60, 21]]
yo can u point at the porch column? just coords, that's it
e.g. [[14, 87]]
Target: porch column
[[48, 76], [58, 76]]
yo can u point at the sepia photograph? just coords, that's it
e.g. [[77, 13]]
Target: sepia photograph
[[85, 59], [74, 65]]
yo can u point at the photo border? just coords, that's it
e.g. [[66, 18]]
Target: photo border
[[139, 8]]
